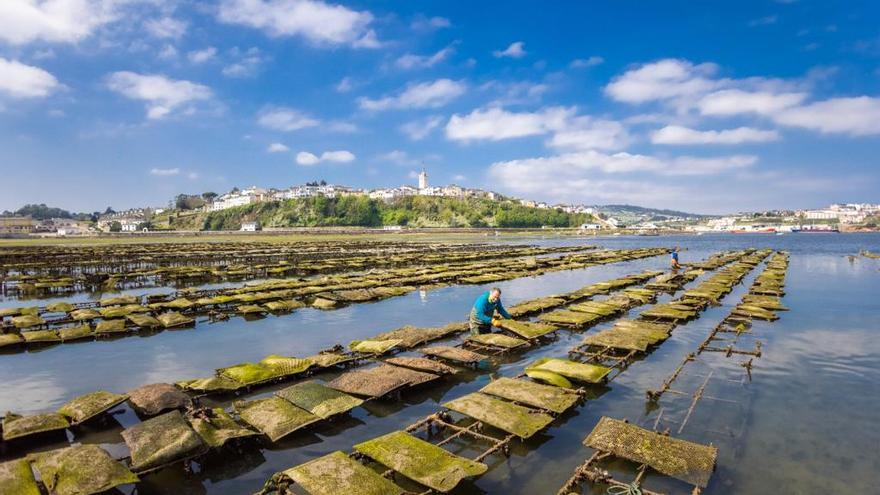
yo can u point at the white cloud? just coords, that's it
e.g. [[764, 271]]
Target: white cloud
[[422, 23], [164, 172], [306, 158], [201, 56], [662, 80], [162, 95], [514, 50], [583, 176], [168, 52], [514, 93], [420, 129], [277, 148], [166, 27], [192, 175], [285, 119], [858, 116], [411, 61], [422, 95], [585, 133], [583, 63], [18, 80], [764, 21], [341, 156], [246, 65], [736, 101], [495, 124], [676, 134], [341, 126], [64, 21], [398, 157], [344, 85], [318, 22], [570, 131]]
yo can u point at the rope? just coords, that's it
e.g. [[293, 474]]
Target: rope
[[626, 489]]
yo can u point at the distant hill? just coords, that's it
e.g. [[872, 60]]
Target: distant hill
[[632, 213], [361, 211]]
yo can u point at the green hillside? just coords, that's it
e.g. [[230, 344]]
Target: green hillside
[[361, 211]]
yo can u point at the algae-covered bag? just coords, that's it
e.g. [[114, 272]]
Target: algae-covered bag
[[80, 470], [161, 440], [16, 478], [550, 378], [89, 405], [374, 346]]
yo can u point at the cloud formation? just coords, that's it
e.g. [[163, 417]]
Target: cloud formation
[[433, 94], [676, 134], [161, 94], [308, 159], [318, 22], [18, 80], [514, 50], [285, 119]]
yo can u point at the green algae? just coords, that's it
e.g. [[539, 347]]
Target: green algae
[[17, 478], [41, 336], [526, 329], [27, 321], [110, 326], [90, 405], [286, 366], [248, 373], [84, 314], [374, 347], [161, 440], [512, 418], [218, 427], [144, 321], [336, 473], [421, 461], [16, 426], [81, 470], [274, 416], [589, 373], [318, 399], [422, 364], [547, 397], [174, 319], [497, 340], [75, 333]]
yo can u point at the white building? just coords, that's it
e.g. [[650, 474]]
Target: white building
[[423, 180], [250, 226]]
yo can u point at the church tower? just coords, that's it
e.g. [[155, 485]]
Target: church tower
[[423, 180]]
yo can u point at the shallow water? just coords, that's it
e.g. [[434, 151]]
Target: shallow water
[[806, 423]]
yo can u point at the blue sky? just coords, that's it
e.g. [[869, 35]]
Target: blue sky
[[703, 106]]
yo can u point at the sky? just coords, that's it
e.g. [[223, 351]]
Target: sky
[[708, 107]]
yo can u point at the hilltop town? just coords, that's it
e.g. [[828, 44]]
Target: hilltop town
[[242, 209]]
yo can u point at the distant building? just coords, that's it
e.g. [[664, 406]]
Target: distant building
[[423, 180], [250, 226], [17, 225], [590, 226]]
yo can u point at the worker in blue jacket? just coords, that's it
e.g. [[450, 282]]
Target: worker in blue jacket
[[482, 317]]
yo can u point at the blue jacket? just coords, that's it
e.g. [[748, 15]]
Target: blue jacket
[[485, 310]]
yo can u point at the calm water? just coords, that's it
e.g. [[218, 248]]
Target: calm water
[[806, 423]]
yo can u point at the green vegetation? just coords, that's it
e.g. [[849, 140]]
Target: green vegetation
[[415, 211]]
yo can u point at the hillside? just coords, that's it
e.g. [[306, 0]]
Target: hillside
[[416, 211], [630, 213]]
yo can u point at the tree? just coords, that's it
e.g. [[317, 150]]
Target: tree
[[209, 196], [323, 182], [115, 227], [109, 210]]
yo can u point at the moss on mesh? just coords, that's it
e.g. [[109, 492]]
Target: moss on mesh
[[5, 312], [81, 470], [155, 398], [8, 339], [75, 333], [589, 373], [375, 347], [274, 416], [218, 427], [323, 303], [110, 326], [212, 384], [284, 305], [526, 329], [497, 340], [17, 478], [687, 461], [250, 309], [285, 366], [328, 359], [161, 440], [118, 300], [27, 321], [248, 373], [144, 321], [90, 405], [59, 307], [318, 399], [422, 364], [532, 394], [421, 461], [507, 416], [41, 336], [454, 354], [337, 473], [84, 314], [173, 319], [16, 426]]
